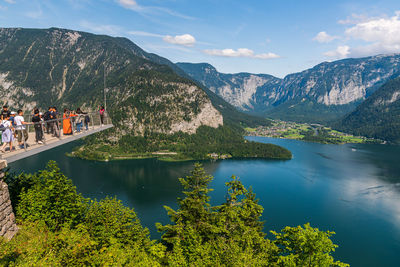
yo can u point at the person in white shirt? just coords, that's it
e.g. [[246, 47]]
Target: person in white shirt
[[20, 128], [7, 136]]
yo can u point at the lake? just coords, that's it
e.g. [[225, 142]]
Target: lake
[[353, 190]]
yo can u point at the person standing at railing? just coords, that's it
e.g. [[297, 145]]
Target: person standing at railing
[[79, 119], [20, 128], [37, 121], [102, 111], [7, 136], [12, 117], [54, 123], [67, 129], [46, 117], [73, 119], [86, 120], [5, 112]]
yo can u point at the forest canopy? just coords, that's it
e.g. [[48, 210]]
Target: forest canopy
[[58, 226]]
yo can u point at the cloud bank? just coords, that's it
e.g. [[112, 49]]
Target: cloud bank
[[378, 35]]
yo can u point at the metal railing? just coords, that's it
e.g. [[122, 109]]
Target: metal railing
[[55, 126]]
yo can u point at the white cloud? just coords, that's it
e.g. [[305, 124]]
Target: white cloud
[[340, 52], [147, 34], [381, 34], [129, 4], [323, 37], [375, 35], [185, 39], [150, 10], [241, 52], [354, 19], [102, 29], [10, 1]]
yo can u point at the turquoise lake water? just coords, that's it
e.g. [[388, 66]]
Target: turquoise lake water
[[353, 190]]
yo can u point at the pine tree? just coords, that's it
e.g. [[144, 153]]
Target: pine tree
[[194, 209]]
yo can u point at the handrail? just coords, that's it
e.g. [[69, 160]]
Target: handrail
[[56, 124]]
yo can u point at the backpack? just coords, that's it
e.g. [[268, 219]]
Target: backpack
[[46, 116]]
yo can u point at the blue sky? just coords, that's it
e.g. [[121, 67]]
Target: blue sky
[[274, 37]]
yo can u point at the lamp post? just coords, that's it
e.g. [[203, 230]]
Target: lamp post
[[104, 90]]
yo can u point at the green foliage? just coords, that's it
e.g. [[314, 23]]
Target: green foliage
[[52, 199], [194, 211], [223, 141], [105, 233], [378, 116], [109, 222], [306, 246], [37, 245], [232, 234]]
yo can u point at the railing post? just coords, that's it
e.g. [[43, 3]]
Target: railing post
[[57, 128], [43, 128], [71, 121], [92, 120]]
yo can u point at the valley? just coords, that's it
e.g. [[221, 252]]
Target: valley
[[308, 132]]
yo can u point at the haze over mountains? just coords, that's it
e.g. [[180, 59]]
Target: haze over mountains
[[320, 94]]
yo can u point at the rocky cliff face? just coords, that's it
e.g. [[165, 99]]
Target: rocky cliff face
[[332, 88], [245, 91], [66, 68]]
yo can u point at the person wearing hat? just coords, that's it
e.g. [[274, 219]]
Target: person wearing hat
[[12, 116]]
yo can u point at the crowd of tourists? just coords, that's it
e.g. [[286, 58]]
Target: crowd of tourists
[[13, 125]]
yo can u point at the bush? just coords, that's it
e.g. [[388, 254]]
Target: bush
[[52, 199], [110, 222]]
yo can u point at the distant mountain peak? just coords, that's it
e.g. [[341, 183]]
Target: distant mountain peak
[[334, 87]]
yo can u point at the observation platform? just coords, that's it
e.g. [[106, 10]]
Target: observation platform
[[50, 141]]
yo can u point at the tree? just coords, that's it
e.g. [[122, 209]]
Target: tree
[[240, 228], [108, 222], [194, 209], [306, 246], [52, 199]]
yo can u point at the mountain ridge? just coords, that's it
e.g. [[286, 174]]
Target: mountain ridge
[[43, 67], [329, 88]]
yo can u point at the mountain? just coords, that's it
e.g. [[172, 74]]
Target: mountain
[[42, 67], [378, 116], [320, 94], [245, 91]]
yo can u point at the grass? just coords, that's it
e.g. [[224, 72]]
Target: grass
[[293, 136], [250, 129]]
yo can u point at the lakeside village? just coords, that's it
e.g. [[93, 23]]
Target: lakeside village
[[307, 132]]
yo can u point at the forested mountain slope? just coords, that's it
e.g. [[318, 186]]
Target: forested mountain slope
[[378, 116], [66, 68]]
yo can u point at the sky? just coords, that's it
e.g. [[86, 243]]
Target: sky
[[276, 37]]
